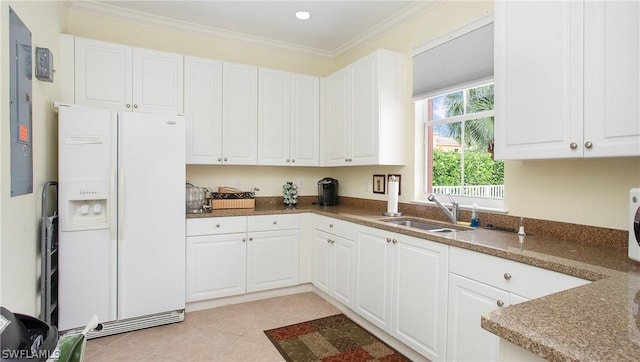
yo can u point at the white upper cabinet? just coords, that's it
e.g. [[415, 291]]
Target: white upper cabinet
[[567, 87], [158, 81], [221, 112], [365, 112], [288, 119], [125, 78], [612, 78], [335, 136], [203, 110], [239, 114]]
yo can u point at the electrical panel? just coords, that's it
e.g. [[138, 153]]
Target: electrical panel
[[20, 105]]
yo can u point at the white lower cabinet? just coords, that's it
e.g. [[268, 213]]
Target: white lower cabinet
[[272, 259], [419, 317], [235, 255], [401, 287], [216, 266], [480, 283], [468, 300], [334, 257]]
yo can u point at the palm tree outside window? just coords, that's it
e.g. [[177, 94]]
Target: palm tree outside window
[[459, 145]]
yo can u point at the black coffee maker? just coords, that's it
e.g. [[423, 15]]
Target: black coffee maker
[[328, 192]]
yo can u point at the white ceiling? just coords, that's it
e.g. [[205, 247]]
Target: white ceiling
[[334, 27]]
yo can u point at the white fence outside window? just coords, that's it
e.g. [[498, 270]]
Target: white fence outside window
[[486, 191]]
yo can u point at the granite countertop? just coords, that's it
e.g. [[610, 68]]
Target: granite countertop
[[597, 321]]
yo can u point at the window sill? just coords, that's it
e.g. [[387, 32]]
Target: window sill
[[463, 207]]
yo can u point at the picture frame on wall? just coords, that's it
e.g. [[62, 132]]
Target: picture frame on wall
[[398, 177], [379, 184]]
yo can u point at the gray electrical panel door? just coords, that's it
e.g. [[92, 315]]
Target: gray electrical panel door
[[20, 107]]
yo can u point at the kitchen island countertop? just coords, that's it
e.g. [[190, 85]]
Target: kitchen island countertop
[[597, 321]]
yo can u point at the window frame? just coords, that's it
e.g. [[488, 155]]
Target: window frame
[[423, 174]]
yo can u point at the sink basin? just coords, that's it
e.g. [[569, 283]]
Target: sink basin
[[424, 225]]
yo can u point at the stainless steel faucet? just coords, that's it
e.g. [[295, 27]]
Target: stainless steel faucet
[[453, 213]]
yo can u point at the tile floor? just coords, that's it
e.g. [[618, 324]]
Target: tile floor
[[229, 333]]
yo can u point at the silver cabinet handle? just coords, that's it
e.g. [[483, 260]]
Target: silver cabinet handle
[[128, 105], [588, 144], [388, 240], [217, 225], [288, 160], [293, 160], [275, 222], [330, 241], [244, 240], [330, 225], [394, 241], [250, 239], [135, 106], [507, 276], [219, 159], [225, 159], [573, 145], [500, 303]]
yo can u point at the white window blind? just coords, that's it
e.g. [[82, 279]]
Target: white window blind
[[457, 60]]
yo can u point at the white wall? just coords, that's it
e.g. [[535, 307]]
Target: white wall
[[20, 215], [534, 189]]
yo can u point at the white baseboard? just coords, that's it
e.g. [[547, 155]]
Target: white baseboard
[[221, 302]]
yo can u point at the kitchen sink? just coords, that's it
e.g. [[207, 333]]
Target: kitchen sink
[[425, 225]]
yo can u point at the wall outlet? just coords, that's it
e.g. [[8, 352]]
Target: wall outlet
[[301, 183], [238, 184]]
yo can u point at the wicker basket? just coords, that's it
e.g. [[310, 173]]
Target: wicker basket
[[232, 200], [217, 204]]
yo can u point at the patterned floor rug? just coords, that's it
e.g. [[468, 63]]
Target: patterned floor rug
[[330, 339]]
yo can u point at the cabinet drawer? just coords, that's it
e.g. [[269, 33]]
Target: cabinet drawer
[[273, 222], [216, 225], [341, 228], [522, 279]]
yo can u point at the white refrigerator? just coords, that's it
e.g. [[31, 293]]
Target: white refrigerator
[[121, 178]]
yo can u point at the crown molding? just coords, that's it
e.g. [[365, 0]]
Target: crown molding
[[137, 17], [416, 9]]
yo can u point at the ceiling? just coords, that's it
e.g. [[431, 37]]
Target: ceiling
[[334, 26]]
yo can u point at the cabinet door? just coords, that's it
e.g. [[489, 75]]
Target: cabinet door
[[538, 79], [322, 261], [274, 97], [373, 277], [335, 135], [420, 295], [468, 301], [304, 136], [612, 78], [216, 266], [103, 74], [342, 270], [364, 111], [240, 114], [272, 259], [157, 81], [203, 110]]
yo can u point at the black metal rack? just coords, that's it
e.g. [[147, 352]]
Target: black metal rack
[[49, 258]]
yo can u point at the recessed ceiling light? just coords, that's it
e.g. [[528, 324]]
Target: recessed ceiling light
[[303, 15]]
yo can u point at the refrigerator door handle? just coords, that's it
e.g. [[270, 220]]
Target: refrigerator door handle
[[112, 202], [121, 198]]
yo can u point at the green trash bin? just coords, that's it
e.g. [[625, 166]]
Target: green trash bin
[[71, 348]]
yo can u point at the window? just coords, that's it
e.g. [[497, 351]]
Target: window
[[458, 146], [453, 95]]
